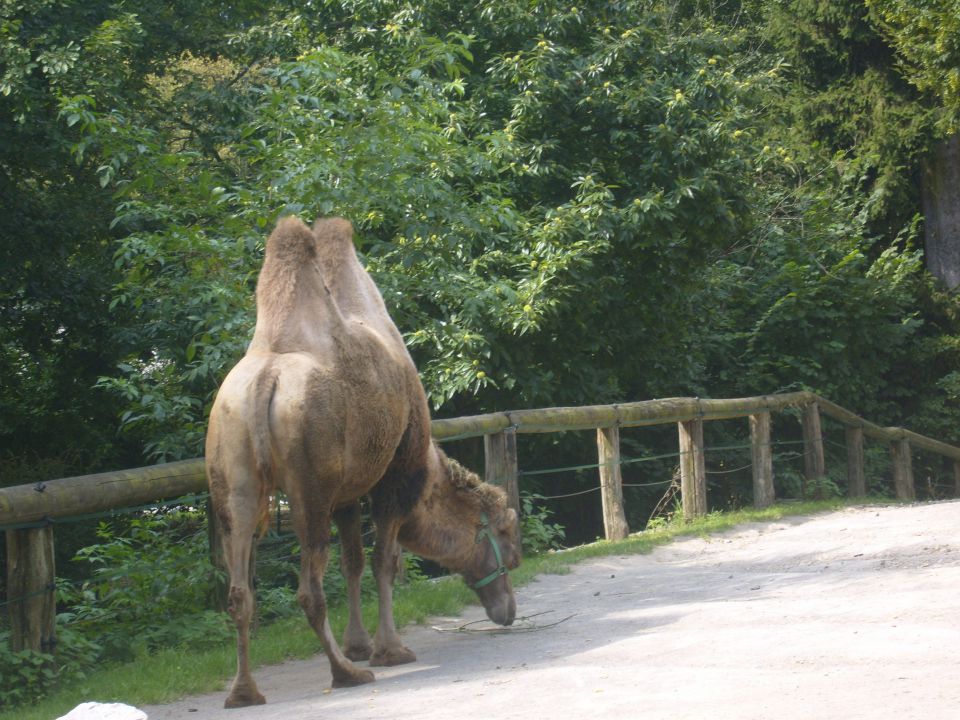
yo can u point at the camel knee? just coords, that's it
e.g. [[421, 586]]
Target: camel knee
[[312, 602], [240, 603]]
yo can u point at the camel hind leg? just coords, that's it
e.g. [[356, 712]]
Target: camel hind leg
[[238, 521]]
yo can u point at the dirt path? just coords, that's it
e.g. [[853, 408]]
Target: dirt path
[[854, 614]]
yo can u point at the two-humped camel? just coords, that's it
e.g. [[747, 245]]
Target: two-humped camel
[[327, 406]]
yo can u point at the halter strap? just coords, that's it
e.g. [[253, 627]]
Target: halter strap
[[485, 533]]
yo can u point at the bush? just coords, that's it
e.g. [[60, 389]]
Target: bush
[[150, 588], [149, 584], [538, 533], [24, 675]]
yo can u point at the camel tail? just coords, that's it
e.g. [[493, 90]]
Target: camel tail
[[266, 385]]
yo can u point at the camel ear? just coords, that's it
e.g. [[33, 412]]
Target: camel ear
[[508, 520]]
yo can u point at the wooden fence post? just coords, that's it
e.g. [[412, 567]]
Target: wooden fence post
[[814, 466], [31, 589], [500, 461], [611, 483], [762, 458], [693, 470], [902, 456], [856, 479]]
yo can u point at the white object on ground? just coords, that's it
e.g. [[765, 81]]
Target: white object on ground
[[104, 711]]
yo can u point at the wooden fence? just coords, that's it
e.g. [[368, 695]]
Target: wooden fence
[[29, 512]]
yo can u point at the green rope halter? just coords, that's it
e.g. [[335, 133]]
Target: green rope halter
[[485, 533]]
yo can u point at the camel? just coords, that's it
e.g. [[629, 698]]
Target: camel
[[328, 407]]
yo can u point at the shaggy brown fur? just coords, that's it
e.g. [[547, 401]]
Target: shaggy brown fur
[[327, 406], [491, 497]]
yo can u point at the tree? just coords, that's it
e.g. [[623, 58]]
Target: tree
[[925, 37], [60, 331], [504, 207], [849, 103], [56, 330], [557, 201], [830, 284]]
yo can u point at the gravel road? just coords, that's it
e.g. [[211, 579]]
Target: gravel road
[[852, 614]]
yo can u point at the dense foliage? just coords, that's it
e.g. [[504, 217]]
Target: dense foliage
[[597, 179], [925, 36], [495, 219], [562, 204]]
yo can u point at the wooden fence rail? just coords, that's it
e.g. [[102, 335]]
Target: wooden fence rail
[[27, 512]]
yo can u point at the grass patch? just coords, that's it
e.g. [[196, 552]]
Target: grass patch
[[170, 674]]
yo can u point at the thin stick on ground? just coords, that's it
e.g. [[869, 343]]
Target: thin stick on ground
[[520, 625]]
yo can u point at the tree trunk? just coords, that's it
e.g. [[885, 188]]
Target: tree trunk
[[941, 209]]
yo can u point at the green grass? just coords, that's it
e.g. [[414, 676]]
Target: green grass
[[170, 674]]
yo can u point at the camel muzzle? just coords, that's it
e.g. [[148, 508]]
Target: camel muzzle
[[504, 610]]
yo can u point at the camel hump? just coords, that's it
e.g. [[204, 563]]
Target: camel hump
[[295, 310], [335, 231], [291, 243], [351, 287], [333, 238]]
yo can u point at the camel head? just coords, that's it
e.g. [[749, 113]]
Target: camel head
[[493, 548]]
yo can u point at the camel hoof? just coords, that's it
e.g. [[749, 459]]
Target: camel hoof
[[393, 656], [351, 679], [358, 652], [246, 698]]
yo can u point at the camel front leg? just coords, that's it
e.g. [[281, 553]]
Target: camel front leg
[[315, 551], [356, 639], [387, 648]]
